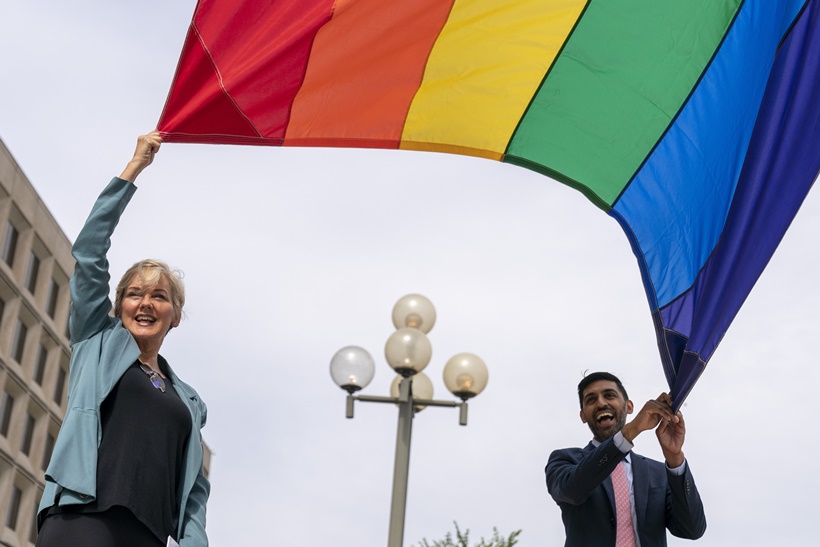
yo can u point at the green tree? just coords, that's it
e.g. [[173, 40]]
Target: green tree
[[462, 539]]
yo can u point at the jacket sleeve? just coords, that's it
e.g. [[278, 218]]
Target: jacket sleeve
[[685, 517], [89, 284], [193, 529], [573, 474]]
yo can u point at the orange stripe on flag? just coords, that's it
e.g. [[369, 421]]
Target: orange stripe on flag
[[373, 59]]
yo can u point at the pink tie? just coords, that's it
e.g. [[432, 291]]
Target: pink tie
[[624, 535]]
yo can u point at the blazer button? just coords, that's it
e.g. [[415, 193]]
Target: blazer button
[[83, 496]]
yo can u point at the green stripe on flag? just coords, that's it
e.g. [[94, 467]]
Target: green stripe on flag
[[620, 80]]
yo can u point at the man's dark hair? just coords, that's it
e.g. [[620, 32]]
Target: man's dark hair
[[594, 377]]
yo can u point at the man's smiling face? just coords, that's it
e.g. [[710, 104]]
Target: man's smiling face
[[604, 409]]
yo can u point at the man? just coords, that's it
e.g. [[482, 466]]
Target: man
[[651, 497]]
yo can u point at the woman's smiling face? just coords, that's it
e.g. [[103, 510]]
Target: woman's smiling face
[[148, 311]]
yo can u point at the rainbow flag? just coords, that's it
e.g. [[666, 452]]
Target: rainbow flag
[[694, 123]]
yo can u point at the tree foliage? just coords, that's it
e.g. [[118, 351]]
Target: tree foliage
[[462, 539]]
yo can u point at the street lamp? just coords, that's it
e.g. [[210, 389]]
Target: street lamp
[[408, 352]]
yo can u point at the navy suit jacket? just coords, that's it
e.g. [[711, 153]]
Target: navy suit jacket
[[578, 480]]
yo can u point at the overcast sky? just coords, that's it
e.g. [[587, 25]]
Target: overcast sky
[[291, 254]]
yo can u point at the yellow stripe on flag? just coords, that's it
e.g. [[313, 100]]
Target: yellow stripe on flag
[[483, 70]]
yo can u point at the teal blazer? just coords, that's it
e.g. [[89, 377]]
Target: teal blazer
[[101, 351]]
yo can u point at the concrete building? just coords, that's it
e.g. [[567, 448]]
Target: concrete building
[[35, 266]]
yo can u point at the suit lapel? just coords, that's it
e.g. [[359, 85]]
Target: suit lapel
[[640, 487], [610, 493], [607, 482]]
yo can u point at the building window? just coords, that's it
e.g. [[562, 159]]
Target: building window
[[51, 301], [14, 507], [47, 450], [58, 389], [32, 271], [10, 244], [6, 406], [28, 435], [40, 367], [19, 341]]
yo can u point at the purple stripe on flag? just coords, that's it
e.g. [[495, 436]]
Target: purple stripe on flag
[[781, 165]]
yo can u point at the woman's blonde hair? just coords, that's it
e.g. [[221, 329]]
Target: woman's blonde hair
[[150, 271]]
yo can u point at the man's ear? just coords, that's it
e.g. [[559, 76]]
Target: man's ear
[[583, 418], [629, 407]]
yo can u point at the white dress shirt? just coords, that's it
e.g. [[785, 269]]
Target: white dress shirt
[[626, 447]]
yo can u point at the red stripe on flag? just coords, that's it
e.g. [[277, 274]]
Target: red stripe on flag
[[197, 104], [256, 52]]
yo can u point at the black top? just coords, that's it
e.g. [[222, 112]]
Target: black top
[[141, 454]]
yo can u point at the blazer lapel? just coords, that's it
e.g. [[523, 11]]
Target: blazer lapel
[[640, 487], [607, 483]]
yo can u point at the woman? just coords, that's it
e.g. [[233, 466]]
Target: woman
[[127, 465]]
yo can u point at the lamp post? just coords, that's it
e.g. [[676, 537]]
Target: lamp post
[[408, 352]]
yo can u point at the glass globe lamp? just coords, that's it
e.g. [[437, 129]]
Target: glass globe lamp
[[422, 388], [414, 311], [465, 375], [352, 368], [408, 351]]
